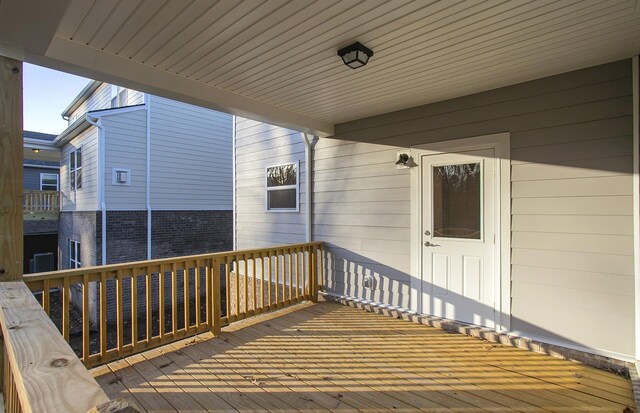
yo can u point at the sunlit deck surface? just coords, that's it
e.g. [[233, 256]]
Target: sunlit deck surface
[[328, 357]]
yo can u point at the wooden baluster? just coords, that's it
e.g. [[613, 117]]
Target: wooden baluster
[[269, 279], [102, 302], [227, 287], [196, 292], [246, 285], [255, 284], [66, 297], [284, 281], [161, 302], [297, 275], [148, 302], [208, 297], [46, 298], [277, 276], [313, 275], [262, 281], [290, 259], [134, 310], [215, 299], [320, 275], [186, 295], [120, 311], [236, 268], [85, 320], [174, 299], [305, 257]]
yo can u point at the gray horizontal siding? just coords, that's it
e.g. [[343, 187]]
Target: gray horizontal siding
[[84, 199], [572, 245], [257, 146], [191, 162], [31, 176], [126, 147]]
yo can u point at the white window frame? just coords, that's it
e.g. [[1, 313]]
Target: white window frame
[[279, 188], [42, 174], [76, 248], [74, 154], [119, 96]]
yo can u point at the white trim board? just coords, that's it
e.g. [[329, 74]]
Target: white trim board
[[636, 197], [501, 143]]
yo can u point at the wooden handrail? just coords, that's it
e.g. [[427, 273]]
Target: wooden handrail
[[41, 373], [165, 300], [41, 201]]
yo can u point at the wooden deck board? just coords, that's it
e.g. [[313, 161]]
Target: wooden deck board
[[328, 357]]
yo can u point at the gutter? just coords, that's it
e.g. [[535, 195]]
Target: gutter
[[82, 96], [101, 200], [309, 143], [147, 101]]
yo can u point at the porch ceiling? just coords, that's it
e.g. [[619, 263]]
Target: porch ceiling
[[276, 60]]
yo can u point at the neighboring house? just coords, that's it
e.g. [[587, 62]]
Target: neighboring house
[[41, 182], [543, 246], [142, 177]]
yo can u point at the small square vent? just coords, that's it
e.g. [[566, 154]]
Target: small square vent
[[121, 176]]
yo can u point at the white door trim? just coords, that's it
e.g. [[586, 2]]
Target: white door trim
[[501, 143]]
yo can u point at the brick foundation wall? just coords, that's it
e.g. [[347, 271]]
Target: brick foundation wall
[[79, 226], [178, 233]]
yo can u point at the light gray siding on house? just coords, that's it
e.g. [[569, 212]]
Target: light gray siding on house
[[135, 98], [191, 161], [259, 145], [572, 234], [31, 176], [84, 199], [126, 147], [99, 99]]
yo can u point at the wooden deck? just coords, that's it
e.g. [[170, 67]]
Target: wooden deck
[[328, 357]]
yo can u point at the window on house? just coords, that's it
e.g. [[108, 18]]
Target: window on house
[[119, 96], [49, 182], [74, 254], [282, 187], [75, 169]]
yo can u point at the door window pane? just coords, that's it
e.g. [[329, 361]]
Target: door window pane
[[457, 201]]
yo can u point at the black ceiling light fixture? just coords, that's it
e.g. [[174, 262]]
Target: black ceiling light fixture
[[355, 55]]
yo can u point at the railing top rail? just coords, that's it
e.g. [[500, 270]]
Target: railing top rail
[[47, 374], [37, 191], [138, 264]]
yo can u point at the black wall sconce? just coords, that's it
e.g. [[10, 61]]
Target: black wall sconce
[[355, 55], [404, 160]]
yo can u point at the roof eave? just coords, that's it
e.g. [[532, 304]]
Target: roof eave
[[82, 96]]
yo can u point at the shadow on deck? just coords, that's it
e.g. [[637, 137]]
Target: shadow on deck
[[328, 357]]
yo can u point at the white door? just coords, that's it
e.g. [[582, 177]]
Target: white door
[[458, 236]]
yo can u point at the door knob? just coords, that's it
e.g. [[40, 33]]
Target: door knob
[[427, 232], [428, 244]]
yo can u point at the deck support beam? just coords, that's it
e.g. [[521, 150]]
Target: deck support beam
[[11, 157]]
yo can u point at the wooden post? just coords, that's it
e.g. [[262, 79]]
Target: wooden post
[[11, 158], [313, 266]]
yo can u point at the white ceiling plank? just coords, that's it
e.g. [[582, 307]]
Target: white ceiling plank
[[270, 27], [257, 23], [113, 23], [450, 56], [84, 61], [94, 20], [443, 39], [353, 24], [73, 16], [490, 76], [209, 37], [324, 54], [132, 24]]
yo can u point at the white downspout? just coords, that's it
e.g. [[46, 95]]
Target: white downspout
[[101, 200], [233, 177], [308, 152], [147, 101]]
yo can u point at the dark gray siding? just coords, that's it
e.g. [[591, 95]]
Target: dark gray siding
[[31, 180]]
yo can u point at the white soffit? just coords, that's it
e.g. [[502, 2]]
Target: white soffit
[[276, 61]]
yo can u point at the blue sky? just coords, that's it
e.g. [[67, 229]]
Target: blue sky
[[46, 94]]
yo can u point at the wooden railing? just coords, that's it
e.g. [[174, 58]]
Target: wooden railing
[[41, 201], [40, 372], [113, 311]]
